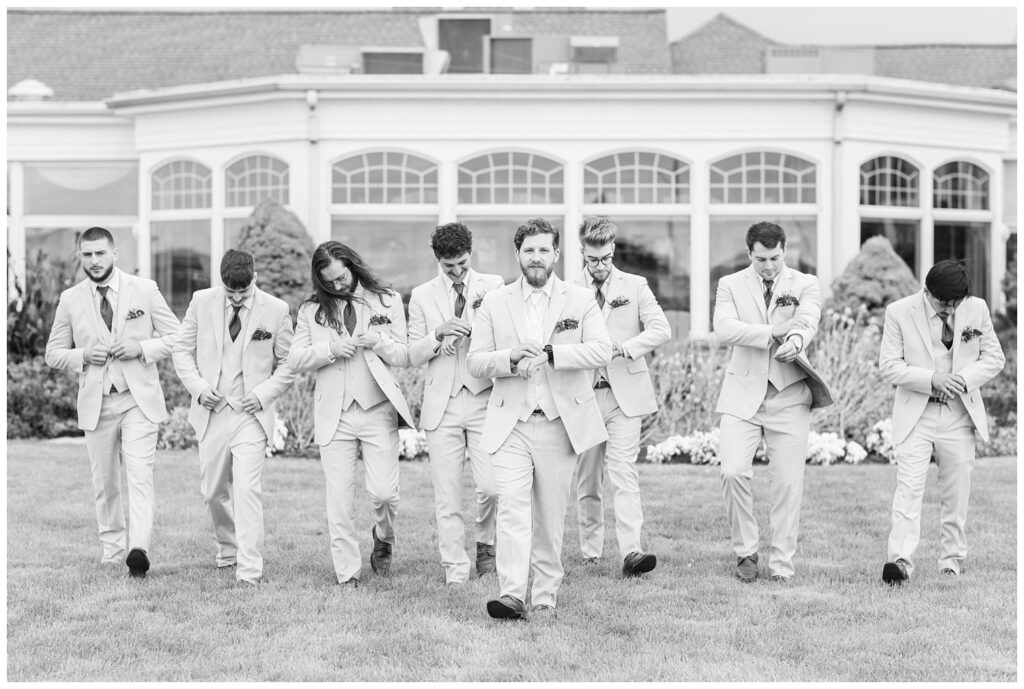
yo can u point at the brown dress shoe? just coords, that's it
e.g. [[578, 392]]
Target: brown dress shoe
[[380, 558], [746, 568], [635, 564], [506, 608], [485, 559], [895, 573]]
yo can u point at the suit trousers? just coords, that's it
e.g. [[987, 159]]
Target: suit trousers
[[951, 436], [372, 432], [122, 431], [533, 474], [460, 429], [784, 419], [619, 454], [231, 457]]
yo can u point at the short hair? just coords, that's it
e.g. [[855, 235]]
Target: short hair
[[534, 226], [451, 240], [95, 233], [769, 234], [236, 269], [948, 280], [597, 231]]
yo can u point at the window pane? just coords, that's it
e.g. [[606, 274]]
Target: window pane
[[81, 189], [464, 41], [61, 244], [970, 241], [384, 177], [511, 56], [533, 179], [904, 235], [251, 180], [392, 63], [961, 185], [493, 249], [181, 184], [181, 260], [397, 248]]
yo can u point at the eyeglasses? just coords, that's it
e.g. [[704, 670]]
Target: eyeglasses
[[603, 261]]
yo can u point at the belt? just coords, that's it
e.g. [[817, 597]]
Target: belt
[[936, 400], [601, 384]]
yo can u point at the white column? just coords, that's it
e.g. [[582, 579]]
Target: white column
[[573, 195], [16, 222], [926, 251], [447, 191], [700, 251], [218, 195], [144, 235]]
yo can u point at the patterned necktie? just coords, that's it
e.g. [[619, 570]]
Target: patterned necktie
[[350, 317], [460, 300], [235, 326], [105, 310], [768, 292], [947, 332], [598, 294]]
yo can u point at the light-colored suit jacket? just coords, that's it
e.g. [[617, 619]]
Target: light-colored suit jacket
[[580, 345], [906, 359], [429, 307], [742, 321], [311, 350], [198, 351], [638, 324], [78, 325]]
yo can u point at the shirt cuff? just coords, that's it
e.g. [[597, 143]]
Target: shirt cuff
[[800, 346]]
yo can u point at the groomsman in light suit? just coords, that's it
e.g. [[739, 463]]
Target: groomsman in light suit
[[765, 394], [938, 349], [454, 402], [111, 329], [351, 331], [539, 338], [230, 354], [637, 325]]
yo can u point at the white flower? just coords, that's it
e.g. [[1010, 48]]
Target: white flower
[[825, 448], [411, 443], [855, 454], [879, 440], [280, 433]]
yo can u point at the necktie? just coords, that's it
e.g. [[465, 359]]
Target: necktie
[[947, 332], [768, 292], [598, 295], [235, 326], [350, 317], [105, 310], [460, 300]]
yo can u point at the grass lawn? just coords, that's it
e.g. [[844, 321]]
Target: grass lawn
[[68, 618]]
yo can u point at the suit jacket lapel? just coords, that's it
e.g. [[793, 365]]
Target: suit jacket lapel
[[217, 307], [89, 303], [756, 288], [558, 296], [440, 295], [514, 299], [921, 321], [254, 318], [124, 302], [780, 287]]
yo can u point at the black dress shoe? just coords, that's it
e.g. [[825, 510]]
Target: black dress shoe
[[380, 558], [636, 564], [506, 608], [895, 573], [485, 559], [138, 563]]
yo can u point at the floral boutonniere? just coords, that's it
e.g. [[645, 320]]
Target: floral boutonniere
[[380, 319], [133, 314], [566, 324], [261, 334], [969, 333], [786, 299], [618, 301], [477, 300]]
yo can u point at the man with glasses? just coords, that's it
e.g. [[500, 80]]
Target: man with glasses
[[624, 391], [938, 349]]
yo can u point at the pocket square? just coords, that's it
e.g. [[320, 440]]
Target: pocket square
[[786, 299], [969, 333], [261, 334], [618, 301], [477, 300], [566, 324], [380, 319], [133, 314]]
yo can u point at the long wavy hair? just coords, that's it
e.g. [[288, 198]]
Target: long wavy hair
[[330, 301]]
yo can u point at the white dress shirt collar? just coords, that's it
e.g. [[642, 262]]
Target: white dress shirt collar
[[113, 282], [528, 289]]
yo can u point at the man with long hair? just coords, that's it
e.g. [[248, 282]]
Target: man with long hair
[[351, 331]]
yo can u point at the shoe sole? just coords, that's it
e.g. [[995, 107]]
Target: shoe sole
[[892, 575], [645, 565], [500, 611]]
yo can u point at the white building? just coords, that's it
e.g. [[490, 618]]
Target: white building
[[683, 163]]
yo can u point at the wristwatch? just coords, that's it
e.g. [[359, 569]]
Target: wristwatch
[[551, 354]]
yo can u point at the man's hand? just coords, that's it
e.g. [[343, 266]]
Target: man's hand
[[251, 403], [948, 383], [527, 365], [450, 346], [787, 352], [126, 349], [367, 340], [779, 330], [97, 354], [455, 327], [343, 349], [617, 350], [528, 348], [210, 398]]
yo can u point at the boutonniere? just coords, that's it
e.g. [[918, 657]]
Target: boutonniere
[[380, 319], [261, 334], [619, 301], [133, 314], [969, 333], [477, 300], [566, 324], [786, 299]]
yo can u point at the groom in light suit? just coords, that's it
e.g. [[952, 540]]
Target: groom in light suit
[[637, 325], [230, 354], [441, 313], [764, 394], [111, 329], [539, 338], [938, 349]]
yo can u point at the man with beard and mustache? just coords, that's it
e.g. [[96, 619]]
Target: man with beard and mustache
[[768, 314], [111, 329], [539, 338]]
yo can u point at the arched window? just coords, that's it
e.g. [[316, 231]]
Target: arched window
[[889, 181], [961, 185], [181, 184], [636, 177], [384, 177], [251, 180], [763, 177], [510, 177]]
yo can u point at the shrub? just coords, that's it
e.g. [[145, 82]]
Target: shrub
[[176, 433], [29, 319], [281, 249], [875, 278], [41, 401]]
